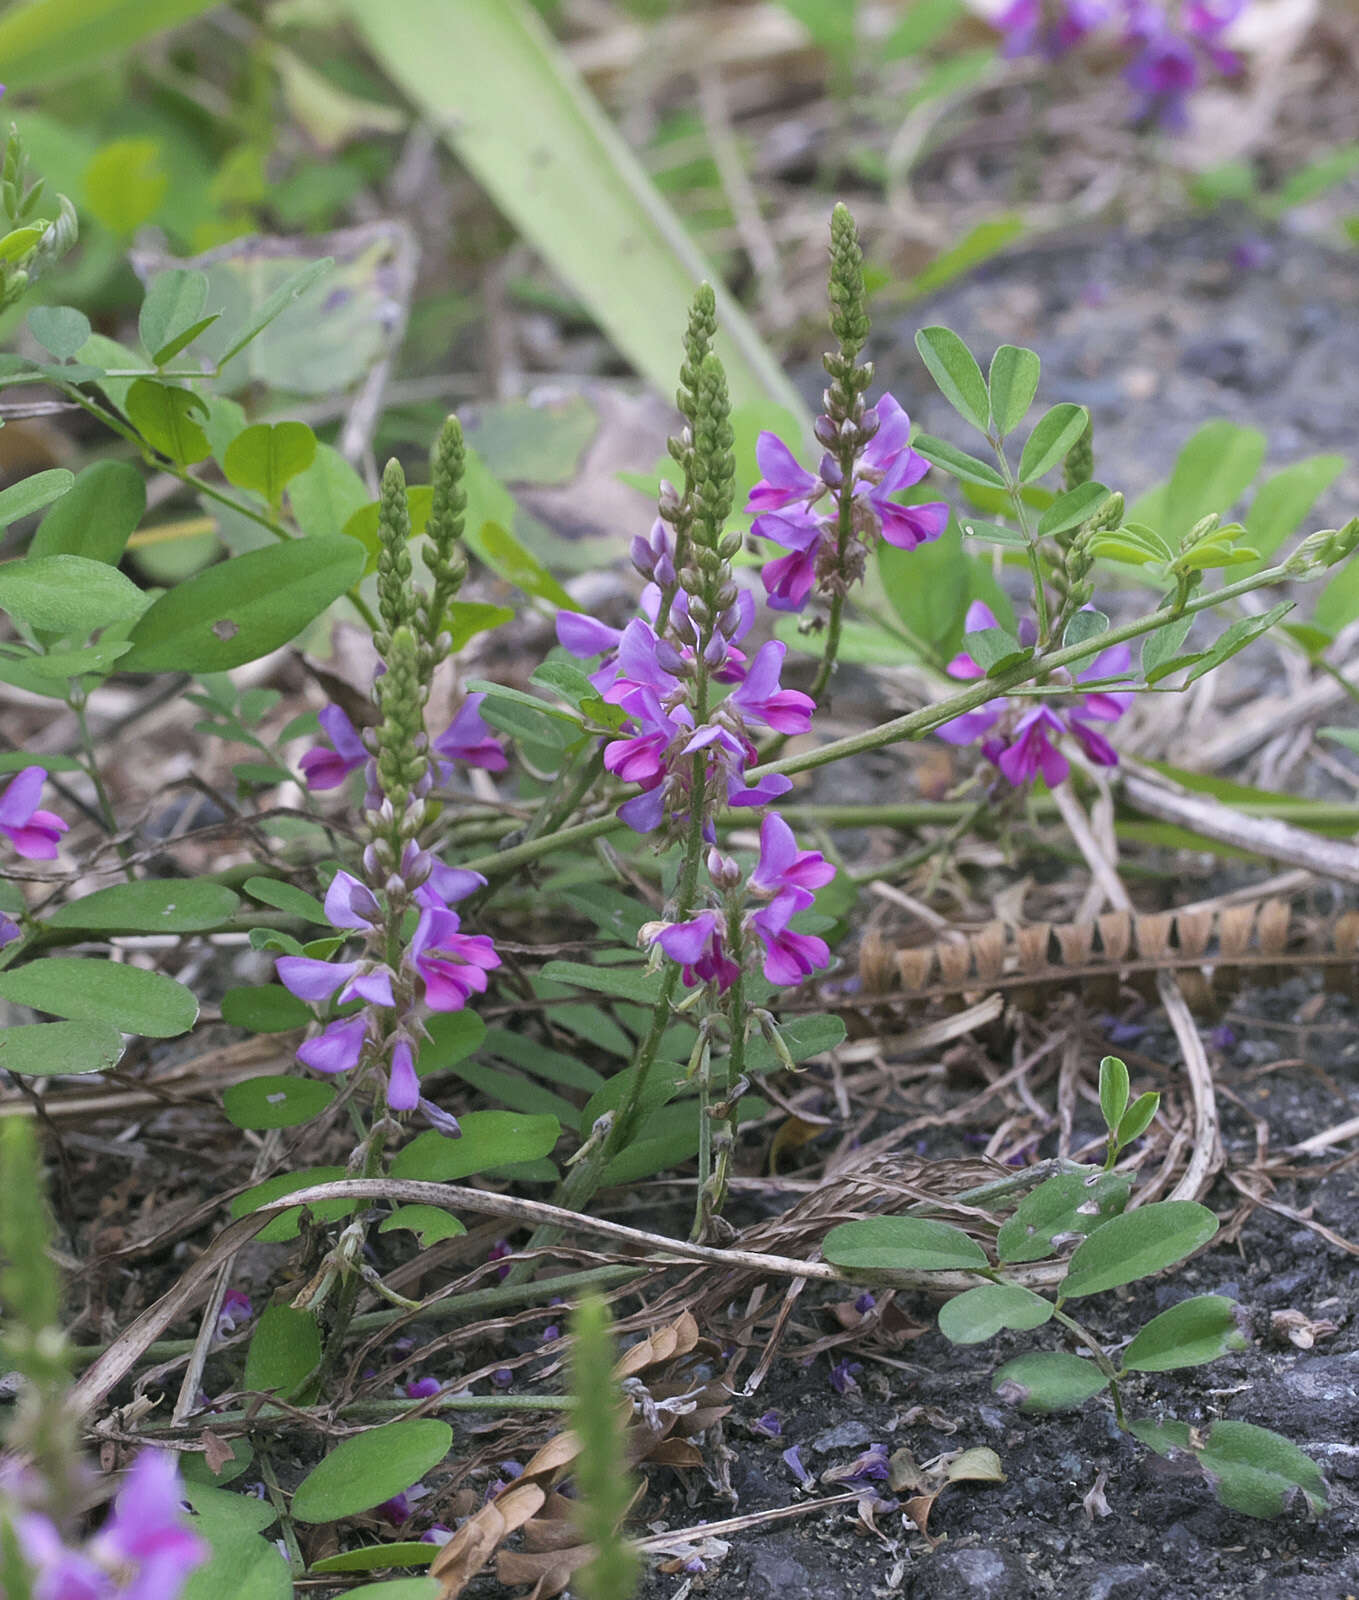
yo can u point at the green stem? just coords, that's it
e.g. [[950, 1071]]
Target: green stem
[[475, 1302], [77, 702], [1102, 1361], [1021, 512]]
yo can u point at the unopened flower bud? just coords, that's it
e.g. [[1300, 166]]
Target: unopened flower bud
[[1204, 528], [868, 424], [723, 870], [668, 496], [668, 657], [643, 556], [829, 471], [825, 431], [715, 651]]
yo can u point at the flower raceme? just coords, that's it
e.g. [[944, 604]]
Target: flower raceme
[[787, 878], [786, 495], [450, 964], [466, 738], [1023, 743], [144, 1551], [34, 834]]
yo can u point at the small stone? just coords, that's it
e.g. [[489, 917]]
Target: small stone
[[1123, 1582], [774, 1574], [979, 1573], [850, 1435]]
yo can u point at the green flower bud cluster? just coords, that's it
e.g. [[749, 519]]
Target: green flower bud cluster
[[1071, 578], [402, 743], [1323, 549], [397, 601], [706, 576], [27, 255], [444, 556], [677, 506], [849, 323]]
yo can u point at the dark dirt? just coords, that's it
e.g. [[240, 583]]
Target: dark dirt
[[1164, 1536]]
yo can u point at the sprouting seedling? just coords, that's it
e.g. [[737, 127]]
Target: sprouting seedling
[[1125, 1122], [1252, 1469]]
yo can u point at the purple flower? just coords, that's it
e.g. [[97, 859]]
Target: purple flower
[[34, 834], [1023, 743], [793, 1461], [422, 1388], [498, 1252], [769, 1425], [441, 1121], [351, 904], [502, 1377], [338, 1047], [865, 1303], [327, 768], [394, 1511], [145, 1540], [761, 699], [467, 738], [403, 1085], [697, 946], [453, 965], [789, 957], [786, 494], [9, 930], [783, 868], [842, 1377], [235, 1309], [1034, 27]]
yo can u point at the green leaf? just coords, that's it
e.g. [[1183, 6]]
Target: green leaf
[[243, 1567], [125, 184], [1113, 1091], [287, 897], [184, 339], [981, 1313], [1069, 1203], [31, 494], [623, 982], [1053, 435], [956, 374], [994, 533], [991, 235], [287, 1224], [1071, 509], [264, 1008], [467, 618], [98, 658], [885, 1244], [1211, 473], [174, 301], [1086, 624], [452, 1036], [1138, 1244], [276, 1102], [68, 594], [1013, 383], [95, 518], [1160, 649], [153, 905], [52, 41], [365, 1558], [1235, 638], [242, 609], [279, 300], [1188, 1335], [127, 998], [1137, 1119], [668, 1137], [489, 1139], [268, 456], [285, 1349], [325, 495], [564, 177], [51, 1049], [194, 1467], [164, 416], [60, 330], [219, 1512], [1338, 603], [1257, 1471], [430, 1223], [994, 649], [363, 1471], [1048, 1380], [966, 468], [551, 1065], [508, 559]]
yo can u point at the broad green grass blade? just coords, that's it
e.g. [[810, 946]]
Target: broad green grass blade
[[491, 78], [47, 41]]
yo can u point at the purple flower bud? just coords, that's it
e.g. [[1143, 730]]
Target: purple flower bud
[[865, 1303], [643, 556], [830, 472], [825, 430], [869, 423], [422, 1388], [502, 1377]]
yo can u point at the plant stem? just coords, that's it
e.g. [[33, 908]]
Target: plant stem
[[1102, 1361], [1012, 489], [77, 703]]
